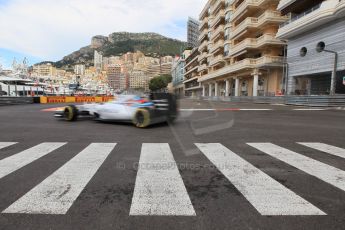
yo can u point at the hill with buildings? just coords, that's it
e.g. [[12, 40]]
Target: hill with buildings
[[116, 44]]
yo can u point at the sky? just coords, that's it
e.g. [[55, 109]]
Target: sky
[[48, 30]]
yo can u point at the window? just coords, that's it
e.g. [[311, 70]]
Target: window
[[303, 51]]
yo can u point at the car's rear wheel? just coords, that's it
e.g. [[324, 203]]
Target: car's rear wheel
[[142, 118], [71, 113]]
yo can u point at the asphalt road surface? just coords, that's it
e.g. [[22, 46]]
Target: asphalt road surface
[[220, 166]]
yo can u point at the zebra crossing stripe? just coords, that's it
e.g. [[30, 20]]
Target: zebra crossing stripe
[[57, 193], [267, 195], [326, 148], [327, 173], [159, 189], [19, 160], [6, 144]]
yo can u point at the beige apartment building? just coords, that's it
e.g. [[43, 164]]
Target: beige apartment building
[[44, 70], [239, 52]]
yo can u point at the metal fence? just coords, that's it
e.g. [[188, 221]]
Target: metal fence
[[321, 101], [16, 100]]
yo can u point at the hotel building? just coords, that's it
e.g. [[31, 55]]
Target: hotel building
[[239, 52], [311, 23]]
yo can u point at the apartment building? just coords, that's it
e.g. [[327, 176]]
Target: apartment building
[[138, 80], [177, 73], [79, 69], [193, 32], [191, 85], [114, 75], [312, 23], [239, 52], [44, 70]]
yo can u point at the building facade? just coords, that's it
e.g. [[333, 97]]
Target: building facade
[[114, 75], [191, 85], [98, 61], [138, 80], [44, 70], [79, 70], [310, 23], [239, 52], [193, 32], [177, 73]]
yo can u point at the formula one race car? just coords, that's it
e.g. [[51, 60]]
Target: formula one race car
[[141, 111]]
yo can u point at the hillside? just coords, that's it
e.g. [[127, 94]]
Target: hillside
[[151, 44]]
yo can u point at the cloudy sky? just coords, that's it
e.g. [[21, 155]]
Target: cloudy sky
[[51, 29]]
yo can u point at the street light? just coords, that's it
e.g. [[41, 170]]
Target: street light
[[321, 48]]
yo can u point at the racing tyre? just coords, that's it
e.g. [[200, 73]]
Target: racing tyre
[[71, 113], [142, 118]]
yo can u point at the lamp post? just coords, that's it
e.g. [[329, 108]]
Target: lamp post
[[321, 48]]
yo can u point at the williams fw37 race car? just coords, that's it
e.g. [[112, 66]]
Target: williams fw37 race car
[[141, 111]]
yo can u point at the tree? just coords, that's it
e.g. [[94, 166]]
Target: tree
[[160, 82]]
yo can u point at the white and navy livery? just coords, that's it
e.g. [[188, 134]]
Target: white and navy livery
[[141, 111]]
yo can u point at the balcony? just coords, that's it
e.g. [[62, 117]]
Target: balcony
[[217, 46], [217, 33], [245, 64], [218, 19], [285, 3], [203, 23], [203, 35], [191, 62], [255, 43], [217, 60], [315, 17], [203, 46], [250, 22], [195, 68], [246, 5], [217, 6], [202, 68], [202, 57]]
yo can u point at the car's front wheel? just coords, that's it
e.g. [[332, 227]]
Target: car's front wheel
[[71, 113], [142, 118]]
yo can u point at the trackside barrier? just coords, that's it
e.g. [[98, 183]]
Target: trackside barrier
[[327, 101], [56, 99]]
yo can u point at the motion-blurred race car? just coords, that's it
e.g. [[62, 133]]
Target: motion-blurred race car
[[141, 111]]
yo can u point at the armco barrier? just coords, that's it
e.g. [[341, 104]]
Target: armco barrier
[[78, 99], [16, 100], [326, 101]]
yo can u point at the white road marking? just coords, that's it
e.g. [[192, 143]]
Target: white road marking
[[256, 109], [197, 109], [159, 188], [226, 109], [267, 195], [326, 148], [327, 173], [19, 160], [310, 109], [57, 193], [6, 144]]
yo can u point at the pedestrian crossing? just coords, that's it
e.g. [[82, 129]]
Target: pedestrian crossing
[[159, 188]]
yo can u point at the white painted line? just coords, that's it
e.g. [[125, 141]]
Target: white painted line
[[159, 188], [57, 193], [197, 109], [226, 109], [326, 148], [256, 109], [19, 160], [268, 196], [6, 144], [327, 173], [310, 109]]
